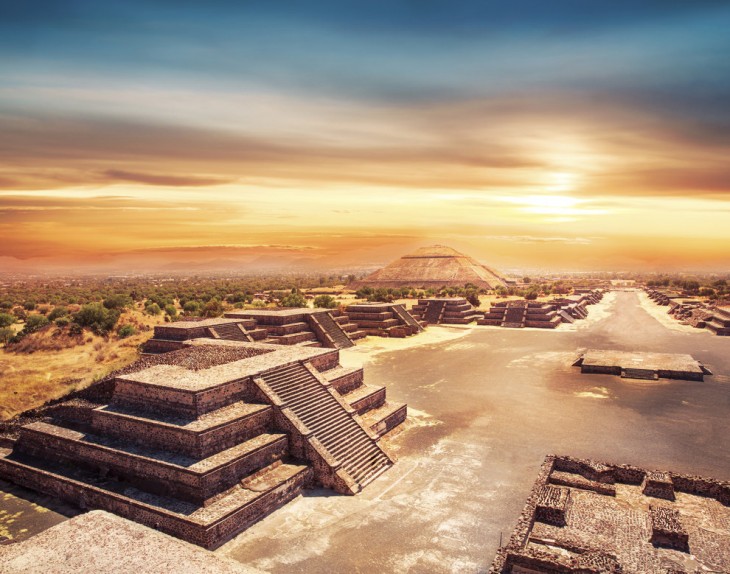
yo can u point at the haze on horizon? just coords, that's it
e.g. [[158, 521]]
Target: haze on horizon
[[527, 134]]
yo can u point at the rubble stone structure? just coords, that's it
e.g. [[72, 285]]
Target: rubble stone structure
[[433, 268], [204, 441], [447, 311], [383, 320], [586, 517]]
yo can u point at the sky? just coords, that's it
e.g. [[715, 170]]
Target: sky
[[565, 135]]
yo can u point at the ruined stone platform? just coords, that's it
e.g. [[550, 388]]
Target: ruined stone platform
[[587, 529], [641, 365]]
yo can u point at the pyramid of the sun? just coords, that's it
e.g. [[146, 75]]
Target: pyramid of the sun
[[433, 267]]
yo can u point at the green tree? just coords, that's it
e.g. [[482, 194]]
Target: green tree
[[57, 313], [152, 309], [97, 318], [295, 299], [171, 311], [117, 301], [213, 308], [126, 331], [6, 319], [191, 307], [34, 323], [325, 302], [6, 333]]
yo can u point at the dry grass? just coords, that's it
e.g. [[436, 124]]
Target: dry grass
[[53, 366]]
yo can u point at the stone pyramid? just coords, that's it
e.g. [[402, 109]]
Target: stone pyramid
[[433, 267]]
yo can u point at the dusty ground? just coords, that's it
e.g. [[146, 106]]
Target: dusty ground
[[486, 405]]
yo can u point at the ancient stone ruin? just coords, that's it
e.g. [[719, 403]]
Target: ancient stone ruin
[[433, 268], [302, 326], [383, 320], [204, 441], [445, 311], [521, 313], [636, 365], [586, 517]]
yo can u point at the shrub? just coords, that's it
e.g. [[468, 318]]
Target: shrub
[[57, 312], [531, 295], [473, 298], [153, 309], [6, 319], [97, 318], [294, 300], [126, 331], [34, 323], [29, 305], [191, 308], [213, 308], [118, 301], [171, 311], [6, 333], [63, 322], [325, 302]]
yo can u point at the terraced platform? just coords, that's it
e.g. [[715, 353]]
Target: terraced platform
[[203, 453]]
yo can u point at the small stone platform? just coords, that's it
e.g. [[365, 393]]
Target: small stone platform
[[587, 528], [638, 365]]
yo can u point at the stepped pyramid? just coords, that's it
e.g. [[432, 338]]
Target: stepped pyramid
[[433, 267], [203, 441]]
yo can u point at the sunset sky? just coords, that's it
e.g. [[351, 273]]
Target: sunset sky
[[529, 134]]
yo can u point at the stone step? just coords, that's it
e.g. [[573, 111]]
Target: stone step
[[293, 338], [163, 472], [207, 526], [201, 437], [344, 379], [365, 397], [384, 418]]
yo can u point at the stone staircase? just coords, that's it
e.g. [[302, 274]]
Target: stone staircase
[[339, 433], [330, 327], [230, 332], [407, 318], [514, 317], [434, 311]]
